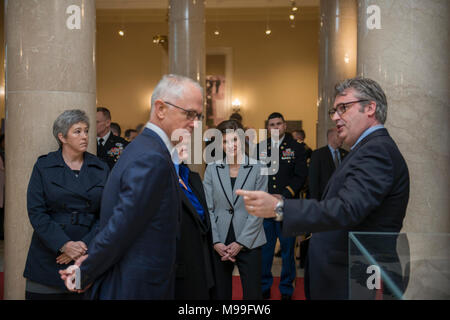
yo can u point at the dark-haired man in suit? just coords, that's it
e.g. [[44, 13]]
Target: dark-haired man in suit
[[323, 163], [368, 192]]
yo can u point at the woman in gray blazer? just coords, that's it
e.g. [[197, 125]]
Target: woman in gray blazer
[[237, 236]]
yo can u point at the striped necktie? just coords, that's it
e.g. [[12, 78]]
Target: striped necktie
[[336, 158]]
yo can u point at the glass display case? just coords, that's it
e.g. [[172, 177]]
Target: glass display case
[[399, 266]]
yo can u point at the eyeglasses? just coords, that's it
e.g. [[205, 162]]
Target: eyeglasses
[[342, 108], [190, 114]]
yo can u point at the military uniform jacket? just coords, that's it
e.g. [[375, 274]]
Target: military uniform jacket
[[292, 172], [308, 151], [61, 208], [111, 150]]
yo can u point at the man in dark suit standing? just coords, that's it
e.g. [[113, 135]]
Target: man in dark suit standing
[[323, 163], [133, 255], [368, 192], [109, 146]]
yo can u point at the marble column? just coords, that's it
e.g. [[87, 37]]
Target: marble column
[[50, 67], [338, 43], [404, 45], [187, 39], [187, 50]]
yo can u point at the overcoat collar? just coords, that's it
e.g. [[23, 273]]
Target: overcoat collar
[[61, 175], [204, 226]]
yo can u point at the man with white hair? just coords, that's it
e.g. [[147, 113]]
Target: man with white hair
[[133, 255]]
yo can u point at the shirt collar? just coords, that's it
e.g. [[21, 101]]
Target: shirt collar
[[331, 149], [280, 141], [366, 133], [163, 137], [105, 137]]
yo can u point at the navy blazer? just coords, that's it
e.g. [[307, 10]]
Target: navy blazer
[[369, 191], [61, 208], [133, 255]]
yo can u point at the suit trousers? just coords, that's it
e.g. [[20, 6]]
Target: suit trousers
[[272, 229], [249, 265]]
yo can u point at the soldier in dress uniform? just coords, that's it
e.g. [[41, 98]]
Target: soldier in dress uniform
[[287, 182], [109, 146], [300, 136]]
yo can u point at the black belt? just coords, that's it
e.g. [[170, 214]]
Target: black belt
[[75, 218]]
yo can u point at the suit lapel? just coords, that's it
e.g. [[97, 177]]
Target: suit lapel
[[244, 172], [347, 158], [343, 153], [63, 177], [197, 189], [195, 183], [223, 173], [330, 162]]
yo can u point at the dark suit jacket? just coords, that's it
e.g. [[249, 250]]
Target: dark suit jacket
[[195, 274], [321, 167], [368, 192], [134, 251], [61, 208]]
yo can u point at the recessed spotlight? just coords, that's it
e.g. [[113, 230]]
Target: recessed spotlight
[[121, 33], [346, 58], [291, 17]]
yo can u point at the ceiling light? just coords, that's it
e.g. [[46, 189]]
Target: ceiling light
[[268, 31], [121, 33], [216, 33], [346, 58], [291, 17], [159, 39]]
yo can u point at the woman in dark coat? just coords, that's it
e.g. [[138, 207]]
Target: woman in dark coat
[[194, 265], [63, 202], [195, 274]]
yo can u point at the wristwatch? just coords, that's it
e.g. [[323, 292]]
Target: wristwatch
[[279, 210]]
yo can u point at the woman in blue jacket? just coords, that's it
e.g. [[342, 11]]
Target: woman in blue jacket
[[63, 201]]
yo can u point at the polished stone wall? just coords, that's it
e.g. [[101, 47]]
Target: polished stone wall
[[404, 45], [50, 67], [338, 44]]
